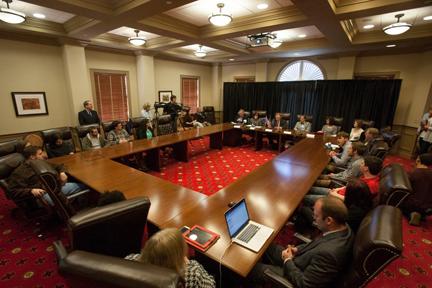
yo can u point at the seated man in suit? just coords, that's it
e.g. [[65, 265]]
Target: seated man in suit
[[373, 141], [278, 123], [23, 181], [88, 115], [320, 262], [303, 126], [241, 117]]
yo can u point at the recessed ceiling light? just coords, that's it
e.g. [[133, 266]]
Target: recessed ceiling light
[[262, 6], [302, 36], [39, 15], [427, 18], [369, 26], [391, 45], [231, 59]]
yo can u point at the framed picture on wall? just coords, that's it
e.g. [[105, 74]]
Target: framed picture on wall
[[29, 103], [164, 96]]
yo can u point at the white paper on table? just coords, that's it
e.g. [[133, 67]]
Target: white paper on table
[[268, 130], [310, 135], [287, 132]]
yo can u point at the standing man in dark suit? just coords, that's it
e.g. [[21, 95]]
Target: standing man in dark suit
[[320, 262], [88, 115]]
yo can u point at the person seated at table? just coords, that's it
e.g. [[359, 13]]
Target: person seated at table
[[302, 125], [117, 134], [374, 141], [329, 128], [93, 140], [188, 121], [24, 181], [355, 152], [57, 147], [418, 204], [357, 131], [256, 121], [144, 130], [340, 159], [278, 123], [319, 263], [201, 117], [241, 117], [370, 169], [168, 249]]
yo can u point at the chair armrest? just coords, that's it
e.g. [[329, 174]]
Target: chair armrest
[[276, 279], [60, 250], [96, 270]]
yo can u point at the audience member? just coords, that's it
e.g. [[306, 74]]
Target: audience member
[[370, 169], [357, 131], [201, 117], [168, 249], [173, 108], [189, 121], [144, 130], [329, 128], [241, 117], [24, 181], [419, 203], [88, 115], [356, 152], [57, 147], [374, 141], [319, 263], [256, 121], [341, 159], [146, 113], [302, 125], [425, 130], [93, 140], [278, 123], [117, 134]]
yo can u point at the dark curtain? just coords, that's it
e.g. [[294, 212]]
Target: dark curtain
[[351, 99]]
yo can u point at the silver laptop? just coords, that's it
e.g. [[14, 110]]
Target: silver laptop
[[243, 231]]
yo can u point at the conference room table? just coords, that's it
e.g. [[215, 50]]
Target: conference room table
[[272, 191]]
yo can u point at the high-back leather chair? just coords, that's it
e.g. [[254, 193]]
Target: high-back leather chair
[[261, 113], [136, 121], [308, 118], [165, 125], [390, 137], [83, 130], [394, 185], [209, 113], [368, 124], [10, 159], [106, 127], [86, 269], [377, 243], [65, 132], [285, 116], [338, 122]]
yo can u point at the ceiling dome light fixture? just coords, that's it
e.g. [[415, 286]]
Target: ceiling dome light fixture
[[398, 27], [262, 6], [220, 19], [137, 40], [11, 16], [200, 52]]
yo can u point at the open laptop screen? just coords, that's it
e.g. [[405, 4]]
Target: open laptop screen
[[237, 217]]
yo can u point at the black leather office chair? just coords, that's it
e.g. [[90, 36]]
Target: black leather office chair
[[65, 133], [394, 185], [164, 125], [308, 118], [136, 121], [368, 124], [262, 114], [338, 122], [209, 113], [286, 116]]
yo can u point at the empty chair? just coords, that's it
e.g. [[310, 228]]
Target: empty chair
[[338, 122], [368, 124], [49, 136], [136, 121], [209, 114], [395, 185], [286, 117], [390, 137], [164, 125]]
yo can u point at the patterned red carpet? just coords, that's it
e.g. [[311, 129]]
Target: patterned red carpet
[[27, 261]]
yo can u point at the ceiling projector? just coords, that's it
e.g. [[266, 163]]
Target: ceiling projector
[[261, 39]]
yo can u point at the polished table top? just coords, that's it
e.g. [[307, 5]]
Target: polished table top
[[272, 191]]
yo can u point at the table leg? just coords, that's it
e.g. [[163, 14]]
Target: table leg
[[181, 151], [232, 137], [216, 141], [153, 159], [258, 141]]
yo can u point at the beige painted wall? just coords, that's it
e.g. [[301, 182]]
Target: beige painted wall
[[28, 67], [117, 62], [168, 73], [229, 71]]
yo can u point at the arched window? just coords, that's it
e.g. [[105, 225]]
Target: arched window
[[301, 70]]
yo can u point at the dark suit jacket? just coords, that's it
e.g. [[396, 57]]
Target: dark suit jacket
[[85, 119], [318, 263], [283, 124]]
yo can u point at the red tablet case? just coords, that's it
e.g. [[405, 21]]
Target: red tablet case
[[207, 237]]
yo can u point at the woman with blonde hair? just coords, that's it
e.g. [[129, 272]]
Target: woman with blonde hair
[[168, 249]]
